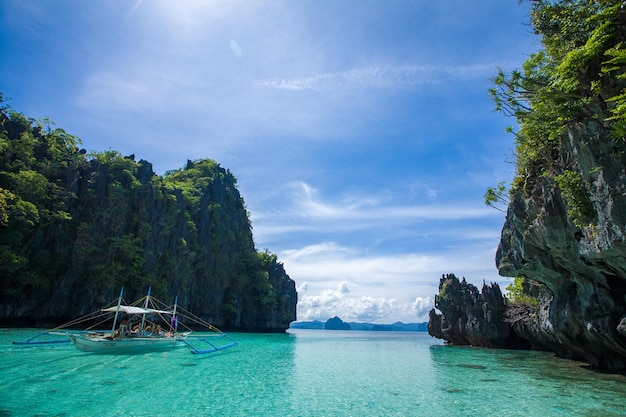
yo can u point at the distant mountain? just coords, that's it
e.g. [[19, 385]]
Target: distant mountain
[[395, 327]]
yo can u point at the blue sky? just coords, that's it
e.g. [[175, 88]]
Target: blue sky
[[361, 132]]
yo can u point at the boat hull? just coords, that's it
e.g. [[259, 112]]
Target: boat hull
[[125, 345]]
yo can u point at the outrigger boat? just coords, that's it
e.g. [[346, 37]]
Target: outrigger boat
[[142, 326]]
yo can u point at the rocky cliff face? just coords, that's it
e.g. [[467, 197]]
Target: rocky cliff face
[[75, 228], [566, 222], [471, 317], [583, 268], [582, 314]]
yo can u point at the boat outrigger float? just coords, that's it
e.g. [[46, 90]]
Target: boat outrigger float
[[147, 325]]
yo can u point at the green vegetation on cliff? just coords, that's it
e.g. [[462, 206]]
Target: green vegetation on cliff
[[74, 227], [564, 227], [579, 75]]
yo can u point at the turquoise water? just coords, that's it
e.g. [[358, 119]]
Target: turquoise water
[[307, 373]]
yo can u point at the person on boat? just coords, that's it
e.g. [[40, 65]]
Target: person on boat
[[123, 330]]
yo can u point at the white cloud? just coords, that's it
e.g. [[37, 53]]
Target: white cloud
[[340, 302], [423, 305], [353, 276], [381, 77], [328, 262], [344, 282], [308, 203], [338, 242], [315, 251], [306, 210]]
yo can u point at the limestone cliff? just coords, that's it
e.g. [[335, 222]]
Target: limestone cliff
[[583, 268], [470, 317], [74, 228], [566, 222], [566, 218], [582, 314]]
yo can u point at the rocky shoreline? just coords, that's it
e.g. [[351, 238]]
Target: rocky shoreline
[[565, 228], [487, 318]]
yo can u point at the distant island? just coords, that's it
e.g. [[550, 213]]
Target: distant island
[[335, 323]]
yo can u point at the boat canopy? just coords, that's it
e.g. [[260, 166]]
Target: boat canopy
[[134, 310]]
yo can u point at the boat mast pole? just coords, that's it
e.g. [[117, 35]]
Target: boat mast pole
[[117, 311], [145, 306], [174, 321]]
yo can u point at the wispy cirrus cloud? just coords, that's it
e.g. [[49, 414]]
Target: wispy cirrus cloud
[[306, 201], [381, 77], [304, 215]]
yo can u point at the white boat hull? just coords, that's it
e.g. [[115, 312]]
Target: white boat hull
[[128, 345]]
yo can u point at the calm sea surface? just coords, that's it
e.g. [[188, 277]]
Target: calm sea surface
[[305, 373]]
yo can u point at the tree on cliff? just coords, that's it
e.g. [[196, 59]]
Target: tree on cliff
[[34, 161], [74, 227], [579, 74]]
